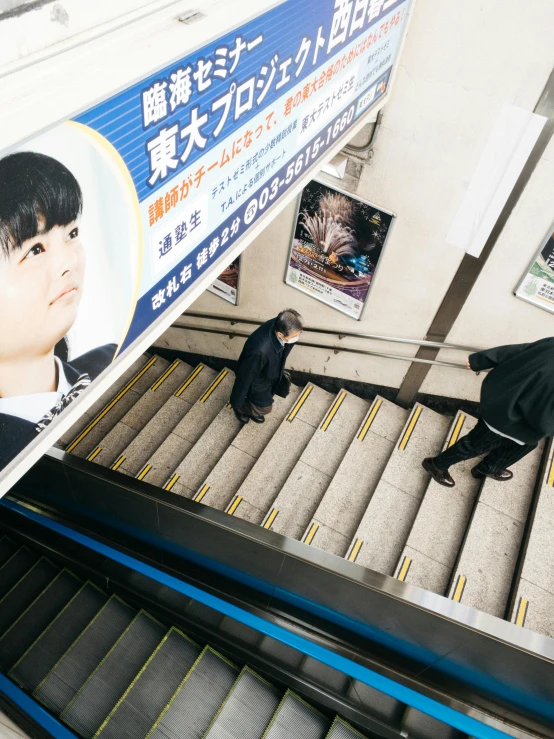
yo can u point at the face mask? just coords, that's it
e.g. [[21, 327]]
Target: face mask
[[292, 341]]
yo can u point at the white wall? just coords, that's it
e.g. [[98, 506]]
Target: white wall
[[462, 61], [29, 30]]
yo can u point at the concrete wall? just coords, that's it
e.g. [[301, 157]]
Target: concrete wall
[[462, 61]]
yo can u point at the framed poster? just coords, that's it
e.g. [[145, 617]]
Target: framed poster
[[336, 247], [227, 284], [537, 284]]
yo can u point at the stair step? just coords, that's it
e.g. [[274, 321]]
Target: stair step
[[534, 591], [136, 418], [247, 710], [85, 443], [276, 462], [7, 549], [485, 568], [338, 515], [341, 730], [195, 703], [34, 620], [384, 528], [101, 403], [227, 476], [436, 536], [137, 710], [73, 669], [152, 436], [15, 568], [204, 455], [306, 485], [24, 592], [52, 644], [295, 719], [113, 676], [187, 432]]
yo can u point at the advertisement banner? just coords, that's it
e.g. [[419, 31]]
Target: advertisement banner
[[336, 246], [537, 284], [107, 220], [227, 284]]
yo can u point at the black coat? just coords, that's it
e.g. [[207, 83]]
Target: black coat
[[517, 397], [16, 433], [260, 367]]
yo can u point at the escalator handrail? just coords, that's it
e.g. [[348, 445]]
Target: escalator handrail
[[467, 724]]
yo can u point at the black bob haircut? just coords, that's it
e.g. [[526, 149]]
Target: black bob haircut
[[33, 188]]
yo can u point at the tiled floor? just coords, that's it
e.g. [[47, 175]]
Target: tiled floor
[[8, 730]]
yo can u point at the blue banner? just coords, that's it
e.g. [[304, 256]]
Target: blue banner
[[112, 217]]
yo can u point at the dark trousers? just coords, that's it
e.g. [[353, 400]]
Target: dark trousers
[[250, 409], [501, 452]]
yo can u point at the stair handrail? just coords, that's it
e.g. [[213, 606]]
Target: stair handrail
[[340, 334]]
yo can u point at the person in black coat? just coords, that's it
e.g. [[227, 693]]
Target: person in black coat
[[261, 365], [517, 411], [42, 267]]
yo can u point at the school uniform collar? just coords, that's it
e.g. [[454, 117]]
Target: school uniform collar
[[34, 406]]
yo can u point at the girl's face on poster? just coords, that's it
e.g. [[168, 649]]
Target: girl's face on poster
[[40, 291]]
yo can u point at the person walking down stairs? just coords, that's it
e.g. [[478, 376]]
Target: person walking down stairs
[[260, 372], [517, 411]]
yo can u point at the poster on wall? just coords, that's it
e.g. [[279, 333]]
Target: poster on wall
[[537, 284], [336, 246], [107, 221], [227, 284]]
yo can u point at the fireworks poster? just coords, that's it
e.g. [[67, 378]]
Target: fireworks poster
[[537, 285], [227, 284], [336, 246]]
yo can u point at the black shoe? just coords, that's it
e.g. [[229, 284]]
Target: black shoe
[[241, 416], [258, 419], [502, 476], [440, 476]]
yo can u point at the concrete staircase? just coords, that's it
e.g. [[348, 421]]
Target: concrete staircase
[[341, 474]]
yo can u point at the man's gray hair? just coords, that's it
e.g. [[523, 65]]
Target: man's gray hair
[[288, 321]]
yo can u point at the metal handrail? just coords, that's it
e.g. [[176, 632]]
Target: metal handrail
[[341, 335]]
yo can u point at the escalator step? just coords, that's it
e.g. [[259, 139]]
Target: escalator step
[[7, 549], [341, 730], [13, 570], [81, 659], [53, 643], [24, 592], [32, 622], [115, 673], [197, 700], [247, 710], [146, 698], [295, 719]]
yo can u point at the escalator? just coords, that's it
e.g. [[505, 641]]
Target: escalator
[[106, 669], [151, 578], [102, 645]]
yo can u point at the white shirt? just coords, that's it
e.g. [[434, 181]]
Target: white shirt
[[34, 406], [496, 431]]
